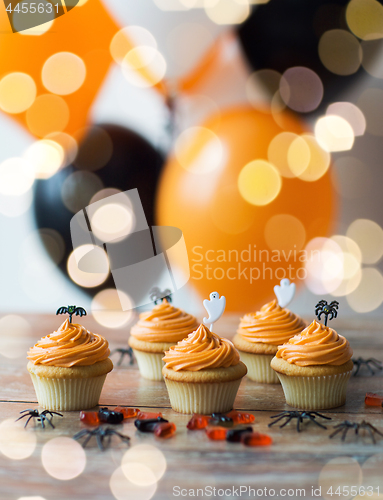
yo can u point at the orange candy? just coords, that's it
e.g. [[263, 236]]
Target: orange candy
[[372, 399], [216, 433], [127, 412], [165, 430], [240, 418], [256, 439], [90, 417], [143, 415], [198, 422]]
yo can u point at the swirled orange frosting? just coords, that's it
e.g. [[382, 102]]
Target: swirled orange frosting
[[70, 345], [271, 325], [316, 345], [164, 323], [200, 350]]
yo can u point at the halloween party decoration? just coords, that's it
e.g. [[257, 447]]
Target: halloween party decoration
[[44, 416], [215, 307], [123, 352], [300, 416], [346, 425], [369, 363], [330, 311], [100, 433], [284, 292], [78, 311], [156, 295]]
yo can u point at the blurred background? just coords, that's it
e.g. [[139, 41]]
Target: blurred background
[[244, 123]]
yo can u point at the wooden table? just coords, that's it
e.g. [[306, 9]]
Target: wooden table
[[192, 461]]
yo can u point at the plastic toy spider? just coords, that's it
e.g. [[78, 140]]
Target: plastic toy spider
[[128, 351], [369, 363], [300, 416], [41, 417], [330, 311], [78, 311], [346, 425], [156, 294], [100, 433]]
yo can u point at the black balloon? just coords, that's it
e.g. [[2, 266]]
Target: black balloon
[[128, 161], [285, 33]]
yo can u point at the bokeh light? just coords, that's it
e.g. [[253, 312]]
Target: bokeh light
[[15, 443], [123, 489], [372, 61], [17, 92], [144, 58], [99, 260], [368, 296], [278, 152], [318, 164], [351, 265], [368, 235], [14, 336], [63, 458], [63, 73], [68, 145], [301, 89], [106, 308], [49, 113], [112, 222], [201, 160], [96, 148], [148, 456], [371, 104], [351, 113], [284, 232], [121, 43], [365, 19], [351, 178], [324, 266], [16, 176], [298, 156], [45, 157], [104, 193], [339, 472], [340, 52], [14, 206], [227, 11], [259, 182], [334, 133], [261, 86], [78, 188], [224, 217]]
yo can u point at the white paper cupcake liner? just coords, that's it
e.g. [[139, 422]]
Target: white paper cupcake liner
[[204, 398], [258, 367], [150, 364], [68, 394], [315, 393]]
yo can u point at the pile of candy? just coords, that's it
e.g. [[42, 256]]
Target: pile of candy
[[154, 422], [218, 427]]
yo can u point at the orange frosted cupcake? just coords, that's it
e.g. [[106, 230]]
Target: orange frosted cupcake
[[68, 368], [259, 335], [203, 373], [314, 368], [157, 331]]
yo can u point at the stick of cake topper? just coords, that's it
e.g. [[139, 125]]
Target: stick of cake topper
[[330, 311], [78, 311], [156, 294], [215, 307], [284, 292]]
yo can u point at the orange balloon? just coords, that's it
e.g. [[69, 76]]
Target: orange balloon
[[85, 31], [245, 225]]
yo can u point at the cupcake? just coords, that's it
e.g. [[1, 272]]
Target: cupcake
[[259, 335], [157, 331], [202, 373], [314, 368], [68, 368]]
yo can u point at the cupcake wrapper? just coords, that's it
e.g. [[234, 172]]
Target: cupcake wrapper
[[150, 364], [202, 398], [68, 394], [315, 393], [258, 367]]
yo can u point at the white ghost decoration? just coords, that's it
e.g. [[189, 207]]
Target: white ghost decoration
[[215, 307], [284, 292]]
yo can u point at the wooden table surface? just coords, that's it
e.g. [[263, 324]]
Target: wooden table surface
[[192, 461]]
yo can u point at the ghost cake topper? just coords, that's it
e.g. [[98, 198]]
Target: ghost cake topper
[[284, 292], [215, 307]]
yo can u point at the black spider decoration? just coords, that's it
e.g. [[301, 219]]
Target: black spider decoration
[[300, 416], [100, 433], [369, 363], [156, 294], [78, 311], [128, 351], [41, 417], [330, 311], [345, 426]]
